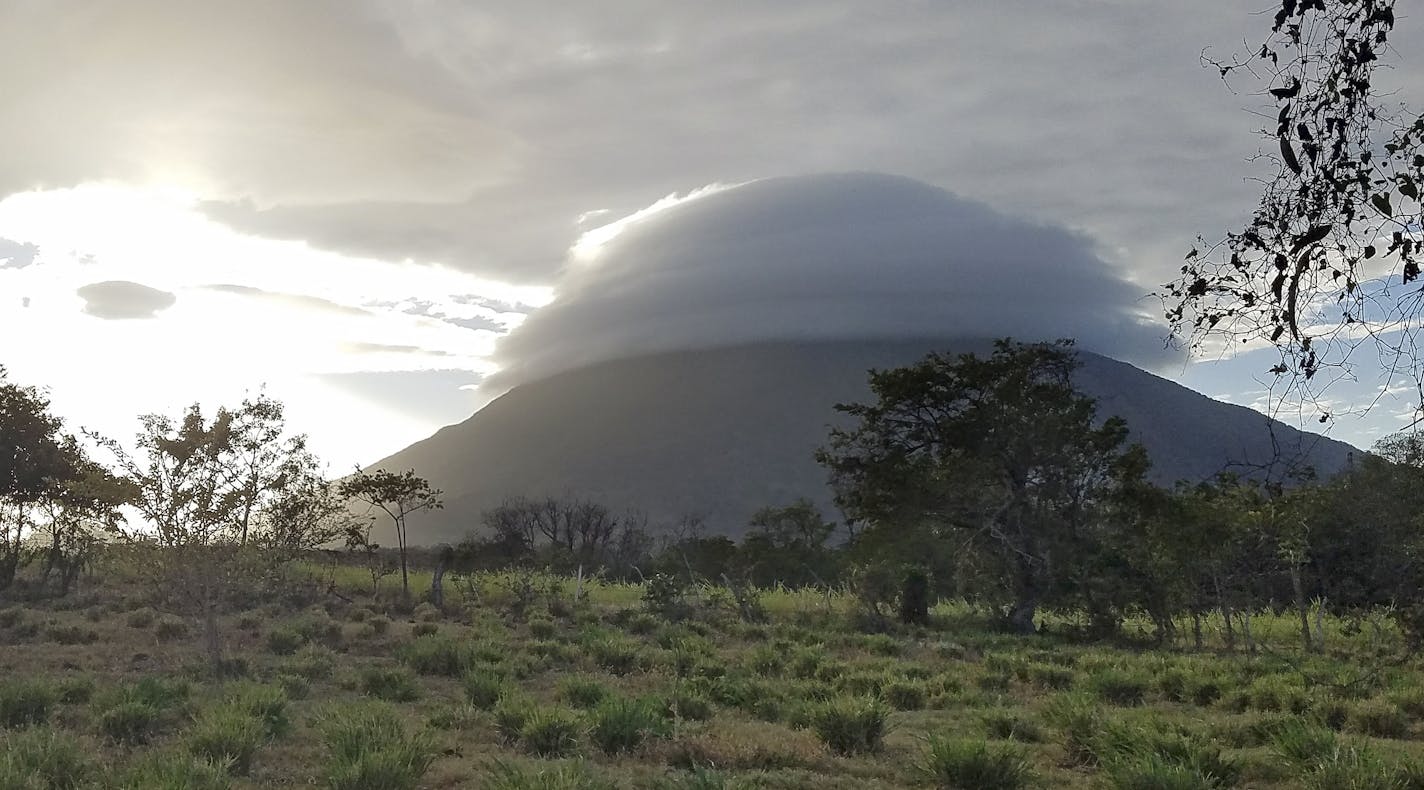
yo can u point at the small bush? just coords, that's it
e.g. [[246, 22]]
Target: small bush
[[1152, 772], [1349, 767], [426, 613], [582, 692], [285, 641], [130, 722], [1379, 718], [72, 635], [1119, 687], [850, 725], [483, 688], [11, 617], [174, 771], [43, 758], [26, 702], [1049, 676], [434, 654], [371, 750], [317, 626], [905, 695], [975, 765], [688, 704], [621, 725], [141, 618], [510, 714], [378, 625], [266, 704], [170, 628], [74, 690], [543, 628], [549, 732], [1008, 725], [424, 629], [1078, 717], [567, 776], [312, 662], [617, 656], [391, 685], [225, 735], [294, 686], [1301, 743]]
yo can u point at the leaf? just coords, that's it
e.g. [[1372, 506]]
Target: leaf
[[1310, 237], [1288, 154], [1277, 284], [1369, 251], [1288, 92], [1407, 188], [1381, 202]]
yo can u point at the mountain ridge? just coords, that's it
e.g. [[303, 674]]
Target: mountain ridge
[[718, 433]]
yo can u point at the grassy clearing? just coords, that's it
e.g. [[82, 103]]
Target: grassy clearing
[[493, 692]]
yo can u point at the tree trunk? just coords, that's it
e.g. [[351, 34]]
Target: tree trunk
[[437, 586], [1197, 629], [1298, 586], [1320, 626], [1221, 603], [1020, 619], [1246, 631], [405, 575]]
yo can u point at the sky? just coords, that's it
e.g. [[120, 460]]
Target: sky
[[384, 214]]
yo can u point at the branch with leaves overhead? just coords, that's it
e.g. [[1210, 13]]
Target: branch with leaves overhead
[[1331, 255]]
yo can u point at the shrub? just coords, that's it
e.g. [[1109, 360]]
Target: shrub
[[141, 618], [294, 686], [1120, 744], [483, 688], [1008, 725], [317, 626], [620, 725], [618, 656], [543, 628], [850, 725], [975, 765], [1378, 718], [549, 732], [170, 628], [312, 662], [510, 714], [174, 771], [26, 702], [1152, 772], [74, 690], [225, 735], [11, 617], [1049, 676], [130, 722], [905, 695], [766, 661], [1301, 743], [688, 704], [72, 635], [393, 684], [426, 613], [1118, 686], [567, 776], [371, 750], [435, 655], [1349, 767], [43, 758], [1079, 718], [284, 641], [582, 692], [378, 625], [266, 704], [424, 629]]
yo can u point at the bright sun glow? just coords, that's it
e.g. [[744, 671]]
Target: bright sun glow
[[245, 312]]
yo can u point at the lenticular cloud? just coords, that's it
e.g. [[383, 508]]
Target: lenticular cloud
[[826, 257]]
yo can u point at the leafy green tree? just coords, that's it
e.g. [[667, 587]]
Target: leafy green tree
[[787, 545], [198, 483], [996, 455], [36, 461], [399, 495]]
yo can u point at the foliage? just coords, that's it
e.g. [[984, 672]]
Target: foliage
[[1328, 257], [975, 765], [850, 725], [399, 496], [995, 455], [370, 749]]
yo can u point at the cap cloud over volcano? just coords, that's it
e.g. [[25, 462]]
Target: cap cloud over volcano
[[826, 257]]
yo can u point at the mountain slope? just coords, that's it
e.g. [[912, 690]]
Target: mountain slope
[[719, 433]]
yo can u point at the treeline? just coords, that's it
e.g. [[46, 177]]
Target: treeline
[[987, 478]]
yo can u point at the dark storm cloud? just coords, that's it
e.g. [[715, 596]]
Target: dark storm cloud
[[119, 300], [17, 255], [843, 256]]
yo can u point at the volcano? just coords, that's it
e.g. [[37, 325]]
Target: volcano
[[719, 433]]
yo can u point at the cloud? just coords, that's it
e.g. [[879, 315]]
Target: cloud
[[120, 300], [834, 256], [289, 299], [17, 255]]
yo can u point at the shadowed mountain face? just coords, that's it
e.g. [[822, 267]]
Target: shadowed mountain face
[[720, 433]]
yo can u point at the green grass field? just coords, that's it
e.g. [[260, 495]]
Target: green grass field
[[99, 690]]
